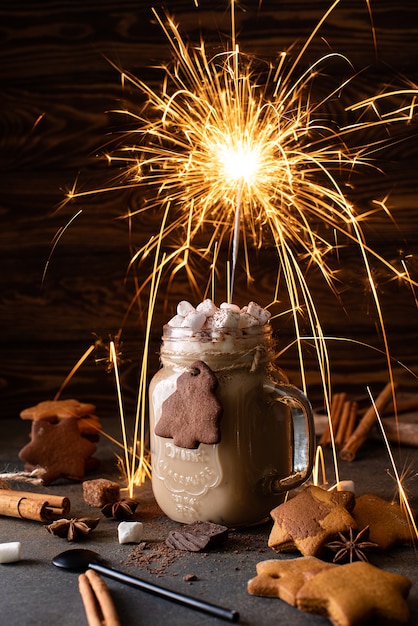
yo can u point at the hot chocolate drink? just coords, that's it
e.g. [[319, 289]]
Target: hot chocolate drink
[[264, 440]]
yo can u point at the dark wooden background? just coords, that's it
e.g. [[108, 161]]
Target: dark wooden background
[[57, 88]]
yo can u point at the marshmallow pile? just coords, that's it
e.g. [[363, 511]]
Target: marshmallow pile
[[207, 316]]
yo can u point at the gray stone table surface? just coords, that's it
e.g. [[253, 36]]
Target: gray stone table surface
[[34, 592]]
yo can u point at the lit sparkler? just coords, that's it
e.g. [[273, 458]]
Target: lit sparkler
[[247, 156], [237, 155]]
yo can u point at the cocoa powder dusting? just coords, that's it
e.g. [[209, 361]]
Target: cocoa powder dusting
[[155, 558]]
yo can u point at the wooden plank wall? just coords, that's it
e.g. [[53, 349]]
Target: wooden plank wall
[[58, 85]]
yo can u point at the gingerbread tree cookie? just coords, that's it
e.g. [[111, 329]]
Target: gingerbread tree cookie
[[191, 415]]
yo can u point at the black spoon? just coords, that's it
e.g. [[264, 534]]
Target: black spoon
[[80, 559]]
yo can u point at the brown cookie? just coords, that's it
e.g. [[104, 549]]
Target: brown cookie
[[310, 520], [58, 448], [58, 409], [356, 594], [89, 426], [388, 524], [283, 579], [191, 415]]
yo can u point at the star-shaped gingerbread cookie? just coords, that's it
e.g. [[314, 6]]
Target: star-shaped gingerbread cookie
[[310, 520], [191, 415], [388, 524], [283, 579], [58, 409], [58, 448], [356, 593]]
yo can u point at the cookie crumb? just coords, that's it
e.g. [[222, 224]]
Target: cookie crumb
[[188, 578]]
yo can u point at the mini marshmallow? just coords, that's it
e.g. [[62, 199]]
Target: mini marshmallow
[[184, 307], [194, 320], [176, 321], [226, 319], [130, 532], [229, 307], [207, 307], [10, 552], [209, 323], [246, 320], [345, 485], [258, 312]]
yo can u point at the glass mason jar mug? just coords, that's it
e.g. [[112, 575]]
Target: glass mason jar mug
[[265, 434]]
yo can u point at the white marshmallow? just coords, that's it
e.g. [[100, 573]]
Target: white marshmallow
[[130, 532], [176, 321], [260, 314], [226, 319], [207, 307], [246, 320], [184, 307], [209, 323], [10, 552], [194, 320], [345, 485], [230, 307]]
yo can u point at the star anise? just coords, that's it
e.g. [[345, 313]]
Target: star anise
[[352, 547], [120, 510], [73, 529]]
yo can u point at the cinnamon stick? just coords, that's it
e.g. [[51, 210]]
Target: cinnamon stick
[[91, 608], [97, 601], [343, 423], [351, 421], [59, 505], [359, 436], [13, 504], [30, 505], [335, 413]]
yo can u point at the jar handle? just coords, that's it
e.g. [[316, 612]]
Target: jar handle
[[303, 435]]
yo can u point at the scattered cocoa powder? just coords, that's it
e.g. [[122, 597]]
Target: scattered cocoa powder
[[153, 557], [156, 557]]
